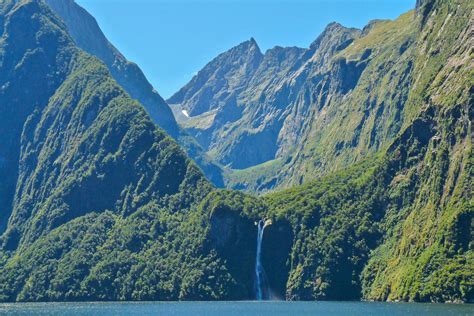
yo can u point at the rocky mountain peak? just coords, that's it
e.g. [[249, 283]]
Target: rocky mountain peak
[[227, 72], [248, 48], [334, 33]]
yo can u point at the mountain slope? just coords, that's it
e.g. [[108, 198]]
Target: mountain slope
[[399, 226], [100, 196], [78, 131], [87, 34], [341, 100]]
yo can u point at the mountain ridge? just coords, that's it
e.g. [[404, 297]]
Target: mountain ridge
[[87, 34], [277, 111]]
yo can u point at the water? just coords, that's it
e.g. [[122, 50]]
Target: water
[[236, 308], [259, 271]]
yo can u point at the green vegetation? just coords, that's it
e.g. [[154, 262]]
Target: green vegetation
[[88, 36], [261, 176], [394, 228], [106, 206], [98, 203], [398, 227]]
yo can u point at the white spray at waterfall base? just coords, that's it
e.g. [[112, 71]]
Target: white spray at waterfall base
[[261, 280]]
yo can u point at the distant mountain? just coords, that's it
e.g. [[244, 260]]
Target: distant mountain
[[220, 80], [296, 114], [258, 104], [88, 36]]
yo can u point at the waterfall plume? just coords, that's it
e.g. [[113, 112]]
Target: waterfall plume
[[261, 281]]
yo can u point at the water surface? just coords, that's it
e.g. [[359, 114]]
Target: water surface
[[236, 308]]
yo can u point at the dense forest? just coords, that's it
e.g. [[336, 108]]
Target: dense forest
[[99, 200]]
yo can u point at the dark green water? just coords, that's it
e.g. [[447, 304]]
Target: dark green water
[[236, 308]]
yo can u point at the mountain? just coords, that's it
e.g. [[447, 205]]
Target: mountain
[[394, 103], [220, 79], [98, 203], [399, 225], [87, 34], [94, 195], [304, 113], [258, 103]]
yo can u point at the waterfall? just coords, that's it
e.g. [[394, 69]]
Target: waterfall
[[262, 287]]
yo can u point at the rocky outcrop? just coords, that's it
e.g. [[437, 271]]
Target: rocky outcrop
[[219, 80]]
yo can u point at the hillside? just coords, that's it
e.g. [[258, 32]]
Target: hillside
[[95, 195], [399, 226], [88, 36], [297, 114]]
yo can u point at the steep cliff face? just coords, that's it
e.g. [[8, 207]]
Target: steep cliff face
[[220, 79], [28, 78], [88, 36], [263, 109]]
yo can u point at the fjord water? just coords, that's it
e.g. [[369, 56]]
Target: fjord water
[[236, 308]]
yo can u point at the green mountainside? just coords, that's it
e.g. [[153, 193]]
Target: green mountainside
[[88, 36], [298, 113], [399, 225], [98, 203], [96, 196]]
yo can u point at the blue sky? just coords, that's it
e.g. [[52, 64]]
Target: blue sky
[[172, 39]]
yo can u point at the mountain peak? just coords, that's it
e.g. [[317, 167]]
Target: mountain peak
[[248, 45], [335, 33], [334, 25]]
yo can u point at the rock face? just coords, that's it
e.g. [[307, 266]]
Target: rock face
[[308, 112], [222, 78], [254, 108], [88, 36]]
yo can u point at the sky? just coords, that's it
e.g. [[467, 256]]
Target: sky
[[173, 39]]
